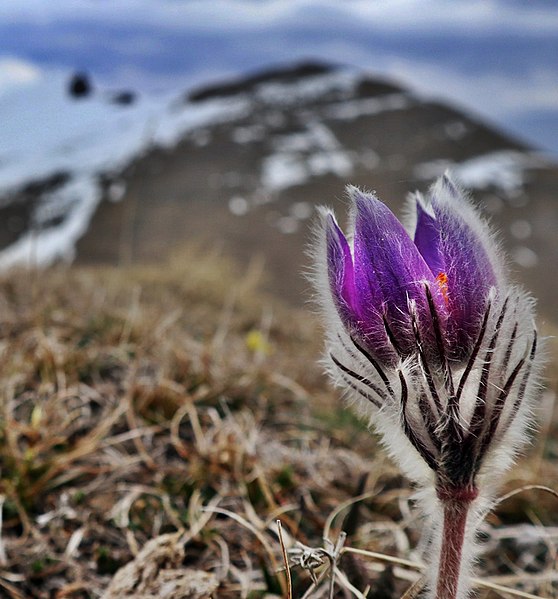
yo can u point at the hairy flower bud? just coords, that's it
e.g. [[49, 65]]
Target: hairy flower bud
[[425, 331]]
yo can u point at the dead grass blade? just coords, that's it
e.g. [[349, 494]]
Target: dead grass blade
[[504, 590], [525, 488], [285, 561], [415, 589], [384, 558], [342, 506]]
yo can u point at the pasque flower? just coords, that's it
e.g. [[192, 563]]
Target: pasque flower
[[438, 348]]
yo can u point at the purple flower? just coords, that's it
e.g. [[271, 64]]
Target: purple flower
[[425, 331], [442, 279]]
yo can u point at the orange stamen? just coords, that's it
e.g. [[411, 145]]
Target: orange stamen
[[442, 280]]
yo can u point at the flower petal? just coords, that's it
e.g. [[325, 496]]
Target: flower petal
[[368, 329], [427, 237], [467, 250], [340, 270]]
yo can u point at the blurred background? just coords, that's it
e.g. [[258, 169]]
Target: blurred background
[[131, 127]]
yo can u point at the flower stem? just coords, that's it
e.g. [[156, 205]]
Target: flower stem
[[455, 509]]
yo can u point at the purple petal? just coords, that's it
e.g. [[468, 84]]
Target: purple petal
[[340, 270], [427, 239], [468, 267], [368, 330], [390, 272]]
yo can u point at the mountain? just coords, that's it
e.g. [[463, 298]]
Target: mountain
[[259, 153]]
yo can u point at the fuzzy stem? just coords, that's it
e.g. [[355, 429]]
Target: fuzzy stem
[[456, 508]]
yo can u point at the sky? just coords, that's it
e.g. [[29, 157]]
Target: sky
[[496, 58]]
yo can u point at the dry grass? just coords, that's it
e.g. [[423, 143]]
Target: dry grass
[[147, 401]]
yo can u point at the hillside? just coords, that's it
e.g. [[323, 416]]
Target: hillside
[[173, 414]]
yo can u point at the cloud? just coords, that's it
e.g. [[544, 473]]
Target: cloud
[[490, 92], [15, 72], [396, 15], [477, 16]]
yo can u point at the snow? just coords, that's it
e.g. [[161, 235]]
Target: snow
[[45, 132], [15, 72], [504, 170], [246, 135], [283, 170], [39, 247], [303, 155], [456, 130], [286, 93], [353, 109]]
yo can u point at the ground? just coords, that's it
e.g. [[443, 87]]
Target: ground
[[173, 414]]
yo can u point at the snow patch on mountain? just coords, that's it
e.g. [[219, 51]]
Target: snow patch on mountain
[[352, 109], [504, 170], [76, 201], [303, 155]]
